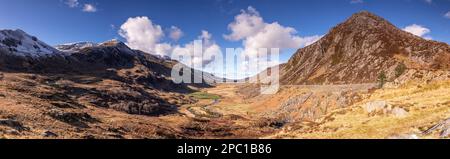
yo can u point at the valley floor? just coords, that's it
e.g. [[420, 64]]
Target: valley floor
[[223, 112]]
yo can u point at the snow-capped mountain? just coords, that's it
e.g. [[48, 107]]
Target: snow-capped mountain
[[19, 43], [75, 47], [78, 47]]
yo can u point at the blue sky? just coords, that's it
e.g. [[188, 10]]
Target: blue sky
[[57, 22]]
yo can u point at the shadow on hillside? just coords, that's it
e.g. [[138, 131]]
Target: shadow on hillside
[[95, 67]]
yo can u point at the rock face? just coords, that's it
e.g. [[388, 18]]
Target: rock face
[[359, 49], [13, 124], [312, 103]]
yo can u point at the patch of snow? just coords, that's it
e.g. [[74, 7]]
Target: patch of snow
[[75, 47], [20, 43], [78, 46], [163, 57]]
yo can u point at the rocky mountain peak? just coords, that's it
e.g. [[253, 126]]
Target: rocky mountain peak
[[359, 49], [363, 21], [112, 42], [366, 15]]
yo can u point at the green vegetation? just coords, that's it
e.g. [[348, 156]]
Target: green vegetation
[[204, 95], [399, 70], [381, 79]]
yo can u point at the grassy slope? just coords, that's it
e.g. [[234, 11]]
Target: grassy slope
[[427, 105], [205, 95]]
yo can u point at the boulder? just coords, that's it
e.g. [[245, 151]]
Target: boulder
[[377, 107], [384, 108], [399, 112]]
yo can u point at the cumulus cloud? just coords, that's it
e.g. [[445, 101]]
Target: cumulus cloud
[[161, 49], [308, 40], [209, 50], [418, 30], [89, 8], [447, 15], [256, 34], [246, 24], [356, 1], [250, 27], [175, 33], [141, 34], [72, 3]]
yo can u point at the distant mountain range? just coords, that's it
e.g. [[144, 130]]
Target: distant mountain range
[[110, 60]]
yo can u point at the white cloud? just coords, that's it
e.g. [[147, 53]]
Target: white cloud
[[250, 27], [356, 1], [175, 33], [246, 24], [255, 34], [417, 30], [76, 4], [209, 49], [141, 34], [308, 40], [447, 15], [72, 3], [429, 1], [89, 8], [162, 49]]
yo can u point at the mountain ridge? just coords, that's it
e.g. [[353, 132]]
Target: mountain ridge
[[135, 72], [359, 49], [19, 43]]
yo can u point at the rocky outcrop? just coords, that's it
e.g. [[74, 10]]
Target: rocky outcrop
[[382, 107], [13, 124], [314, 102]]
